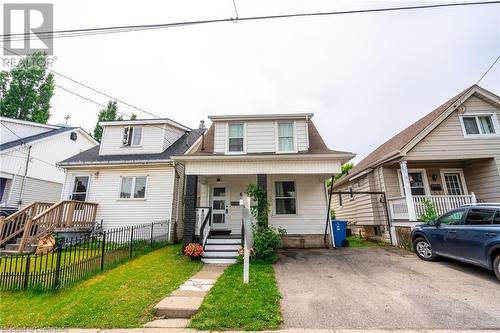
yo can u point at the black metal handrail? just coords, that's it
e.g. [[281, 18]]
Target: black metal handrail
[[207, 219]]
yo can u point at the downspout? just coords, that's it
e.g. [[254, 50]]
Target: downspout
[[19, 203]]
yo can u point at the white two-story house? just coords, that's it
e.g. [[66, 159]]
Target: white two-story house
[[29, 152], [131, 175], [282, 153]]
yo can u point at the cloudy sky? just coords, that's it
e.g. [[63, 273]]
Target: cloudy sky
[[365, 76]]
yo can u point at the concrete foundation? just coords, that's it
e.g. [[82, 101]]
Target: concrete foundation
[[304, 241]]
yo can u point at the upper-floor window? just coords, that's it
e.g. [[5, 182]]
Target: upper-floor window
[[480, 125], [285, 137], [235, 138], [132, 136], [133, 188]]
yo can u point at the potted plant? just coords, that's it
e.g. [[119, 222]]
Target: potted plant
[[194, 251]]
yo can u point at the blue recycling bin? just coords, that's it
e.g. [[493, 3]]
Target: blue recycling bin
[[339, 228]]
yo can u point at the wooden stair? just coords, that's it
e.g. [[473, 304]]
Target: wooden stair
[[39, 220]]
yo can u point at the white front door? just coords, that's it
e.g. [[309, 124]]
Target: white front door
[[220, 208]]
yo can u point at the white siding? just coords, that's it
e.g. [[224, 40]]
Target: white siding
[[155, 139], [311, 205], [260, 136], [40, 190], [45, 154], [268, 167], [22, 129], [220, 137], [104, 189]]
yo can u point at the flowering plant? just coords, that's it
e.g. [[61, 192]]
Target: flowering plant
[[193, 250]]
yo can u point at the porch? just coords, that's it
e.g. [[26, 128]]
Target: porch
[[447, 184]]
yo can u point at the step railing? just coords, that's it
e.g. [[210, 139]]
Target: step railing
[[13, 226], [204, 217], [64, 214]]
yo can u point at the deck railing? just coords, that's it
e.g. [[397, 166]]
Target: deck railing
[[64, 214], [204, 214], [12, 226], [442, 203]]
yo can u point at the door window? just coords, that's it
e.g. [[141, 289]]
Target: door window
[[80, 187], [481, 216], [219, 206], [453, 183], [452, 218]]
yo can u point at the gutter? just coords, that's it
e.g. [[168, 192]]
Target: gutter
[[114, 163], [261, 157]]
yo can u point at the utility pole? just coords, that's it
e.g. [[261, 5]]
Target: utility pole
[[25, 175]]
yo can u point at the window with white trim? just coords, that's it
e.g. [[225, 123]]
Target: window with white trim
[[285, 137], [133, 188], [479, 125], [132, 136], [416, 183], [235, 138], [285, 198]]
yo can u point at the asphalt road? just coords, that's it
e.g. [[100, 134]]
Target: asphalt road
[[384, 288]]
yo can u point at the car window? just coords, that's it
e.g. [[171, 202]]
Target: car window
[[452, 218], [480, 216], [497, 218]]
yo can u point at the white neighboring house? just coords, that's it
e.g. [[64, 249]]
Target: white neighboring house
[[130, 175], [29, 152], [282, 153]]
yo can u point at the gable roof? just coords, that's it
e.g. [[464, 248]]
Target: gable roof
[[393, 147], [92, 157], [316, 145], [18, 142]]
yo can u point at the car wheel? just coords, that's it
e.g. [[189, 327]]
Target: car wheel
[[423, 249], [496, 266]]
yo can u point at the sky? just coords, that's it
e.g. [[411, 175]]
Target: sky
[[364, 76]]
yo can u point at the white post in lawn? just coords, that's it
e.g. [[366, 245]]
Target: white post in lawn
[[412, 216], [246, 244]]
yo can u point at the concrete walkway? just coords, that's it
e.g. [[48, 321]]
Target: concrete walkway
[[175, 310]]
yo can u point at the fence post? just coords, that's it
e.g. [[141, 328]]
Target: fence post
[[131, 240], [102, 249], [58, 263], [27, 272], [152, 226]]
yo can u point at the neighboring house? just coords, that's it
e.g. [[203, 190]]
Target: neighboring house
[[131, 175], [450, 157], [282, 153], [28, 155]]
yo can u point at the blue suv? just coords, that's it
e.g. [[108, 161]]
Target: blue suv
[[470, 234]]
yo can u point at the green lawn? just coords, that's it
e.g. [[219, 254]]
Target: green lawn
[[356, 241], [120, 297], [232, 305]]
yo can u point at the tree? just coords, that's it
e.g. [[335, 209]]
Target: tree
[[26, 91], [109, 113], [343, 171]]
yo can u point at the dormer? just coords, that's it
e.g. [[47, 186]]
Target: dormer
[[252, 134], [144, 136]]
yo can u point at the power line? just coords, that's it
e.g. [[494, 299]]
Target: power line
[[129, 28], [487, 71]]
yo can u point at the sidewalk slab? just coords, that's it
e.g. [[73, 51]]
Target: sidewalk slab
[[168, 323], [178, 307]]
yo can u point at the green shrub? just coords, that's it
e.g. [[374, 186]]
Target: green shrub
[[430, 212], [267, 240]]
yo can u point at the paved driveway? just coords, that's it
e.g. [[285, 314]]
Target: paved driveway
[[369, 288]]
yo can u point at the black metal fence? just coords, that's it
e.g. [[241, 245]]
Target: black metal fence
[[72, 260]]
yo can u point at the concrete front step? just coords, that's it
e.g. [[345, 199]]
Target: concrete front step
[[178, 307], [218, 254], [218, 260], [222, 241], [223, 247]]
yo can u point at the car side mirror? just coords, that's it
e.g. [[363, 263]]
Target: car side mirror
[[435, 222]]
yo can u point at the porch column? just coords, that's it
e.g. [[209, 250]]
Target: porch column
[[412, 216], [262, 181], [190, 208]]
